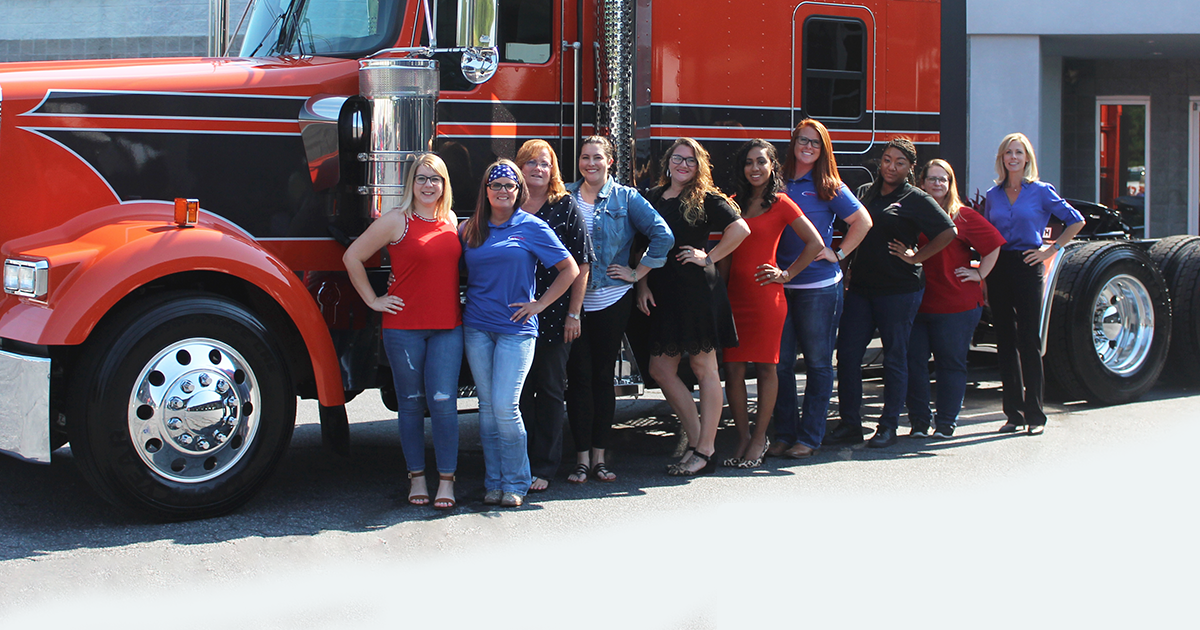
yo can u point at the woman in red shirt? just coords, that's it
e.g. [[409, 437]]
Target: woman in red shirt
[[950, 308], [422, 318]]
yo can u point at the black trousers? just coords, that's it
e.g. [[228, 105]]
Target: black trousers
[[591, 399], [543, 406], [1015, 295]]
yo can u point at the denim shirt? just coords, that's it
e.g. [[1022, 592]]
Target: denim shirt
[[620, 213]]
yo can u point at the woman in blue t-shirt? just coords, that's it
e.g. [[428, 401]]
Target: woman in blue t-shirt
[[814, 296], [1020, 206], [501, 248]]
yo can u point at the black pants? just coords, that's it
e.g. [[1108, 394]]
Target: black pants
[[1015, 295], [591, 398], [543, 406]]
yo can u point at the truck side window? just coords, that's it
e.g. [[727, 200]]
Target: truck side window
[[524, 31], [835, 74]]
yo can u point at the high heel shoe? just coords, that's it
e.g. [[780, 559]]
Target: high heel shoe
[[755, 463], [687, 454], [1010, 427], [1036, 429], [685, 469]]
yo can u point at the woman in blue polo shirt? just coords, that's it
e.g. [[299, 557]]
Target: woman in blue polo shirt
[[1020, 206], [500, 327], [814, 295]]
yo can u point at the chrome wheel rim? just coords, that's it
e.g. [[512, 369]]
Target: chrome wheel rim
[[194, 410], [1123, 324]]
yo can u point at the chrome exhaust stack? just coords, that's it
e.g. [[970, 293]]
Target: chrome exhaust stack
[[402, 96]]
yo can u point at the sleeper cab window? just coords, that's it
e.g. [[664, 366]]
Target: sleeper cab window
[[834, 70]]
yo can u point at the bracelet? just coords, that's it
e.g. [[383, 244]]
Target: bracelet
[[634, 276]]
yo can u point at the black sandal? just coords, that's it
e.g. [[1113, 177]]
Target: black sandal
[[602, 473], [581, 471]]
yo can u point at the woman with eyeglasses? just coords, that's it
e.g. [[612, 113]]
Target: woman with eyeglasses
[[686, 300], [543, 405], [814, 295], [501, 248], [885, 291], [950, 308], [1020, 206], [613, 214], [422, 319], [756, 291]]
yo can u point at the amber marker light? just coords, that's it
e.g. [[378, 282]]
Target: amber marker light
[[187, 211]]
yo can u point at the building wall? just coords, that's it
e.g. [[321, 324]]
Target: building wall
[[1080, 17], [37, 30], [1168, 83], [1005, 93]]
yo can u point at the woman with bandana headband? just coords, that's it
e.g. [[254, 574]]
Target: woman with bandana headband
[[885, 290], [501, 248]]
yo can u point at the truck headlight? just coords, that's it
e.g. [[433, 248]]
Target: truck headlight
[[26, 278]]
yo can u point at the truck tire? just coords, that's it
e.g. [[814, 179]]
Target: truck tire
[[181, 407], [1182, 272], [1169, 252], [1110, 324]]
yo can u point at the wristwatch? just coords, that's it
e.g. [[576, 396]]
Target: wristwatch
[[1056, 246], [573, 316], [840, 254]]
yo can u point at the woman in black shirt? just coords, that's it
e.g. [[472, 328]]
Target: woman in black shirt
[[885, 289]]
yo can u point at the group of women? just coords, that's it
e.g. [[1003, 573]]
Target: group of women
[[554, 271]]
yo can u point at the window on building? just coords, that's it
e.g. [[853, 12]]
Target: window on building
[[834, 70]]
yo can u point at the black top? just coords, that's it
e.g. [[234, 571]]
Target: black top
[[903, 215], [693, 314], [563, 217]]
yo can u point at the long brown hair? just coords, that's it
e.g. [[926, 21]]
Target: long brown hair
[[951, 202], [691, 200], [475, 230], [528, 151], [774, 185], [825, 172]]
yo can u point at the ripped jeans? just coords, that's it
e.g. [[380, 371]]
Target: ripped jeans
[[425, 365]]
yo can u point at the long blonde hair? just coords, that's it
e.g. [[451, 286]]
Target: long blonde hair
[[1031, 172], [691, 200], [951, 201], [528, 151], [444, 209]]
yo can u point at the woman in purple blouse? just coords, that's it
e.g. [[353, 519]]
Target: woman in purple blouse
[[1020, 206]]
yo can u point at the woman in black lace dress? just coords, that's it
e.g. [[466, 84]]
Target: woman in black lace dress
[[685, 299]]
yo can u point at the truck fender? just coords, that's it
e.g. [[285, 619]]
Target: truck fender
[[103, 255]]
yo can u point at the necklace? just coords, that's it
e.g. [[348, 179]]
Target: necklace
[[418, 215]]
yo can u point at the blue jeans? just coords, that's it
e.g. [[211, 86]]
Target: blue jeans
[[500, 363], [948, 337], [893, 316], [812, 323], [425, 366]]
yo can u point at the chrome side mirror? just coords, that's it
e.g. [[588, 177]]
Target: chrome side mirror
[[476, 34]]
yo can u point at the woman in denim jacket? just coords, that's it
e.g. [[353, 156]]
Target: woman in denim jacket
[[614, 214]]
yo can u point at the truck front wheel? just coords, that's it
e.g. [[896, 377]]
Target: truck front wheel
[[1110, 324], [181, 407]]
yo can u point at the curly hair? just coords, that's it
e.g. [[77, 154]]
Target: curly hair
[[691, 200]]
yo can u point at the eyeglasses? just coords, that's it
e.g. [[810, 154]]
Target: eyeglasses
[[537, 164], [421, 180], [938, 180], [679, 159], [808, 142], [499, 186]]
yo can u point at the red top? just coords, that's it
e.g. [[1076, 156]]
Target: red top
[[425, 264], [944, 291]]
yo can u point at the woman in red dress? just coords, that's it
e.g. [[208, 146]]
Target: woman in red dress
[[755, 288]]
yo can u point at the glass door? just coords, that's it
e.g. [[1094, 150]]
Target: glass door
[[1122, 158]]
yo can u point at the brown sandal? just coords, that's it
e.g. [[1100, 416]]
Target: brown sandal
[[444, 503], [417, 499]]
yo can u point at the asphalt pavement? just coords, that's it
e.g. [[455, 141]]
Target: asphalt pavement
[[1090, 525]]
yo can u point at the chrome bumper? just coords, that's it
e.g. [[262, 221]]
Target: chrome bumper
[[25, 406]]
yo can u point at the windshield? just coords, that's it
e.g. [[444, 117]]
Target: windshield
[[336, 28]]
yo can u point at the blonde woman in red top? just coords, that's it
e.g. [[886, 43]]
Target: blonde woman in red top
[[422, 319]]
